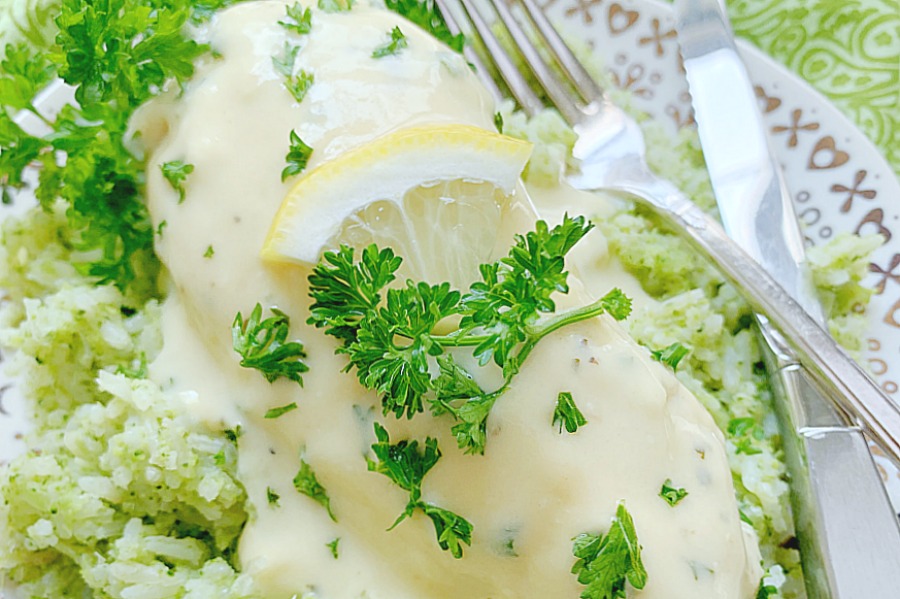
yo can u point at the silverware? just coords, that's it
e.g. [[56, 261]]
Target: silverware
[[610, 148], [824, 452]]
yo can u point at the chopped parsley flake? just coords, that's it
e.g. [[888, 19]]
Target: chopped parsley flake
[[307, 484], [566, 414], [298, 20], [425, 15], [743, 432], [285, 65], [671, 494], [281, 411], [297, 157], [299, 84], [397, 43], [336, 5], [272, 496], [607, 562], [262, 345], [765, 590], [210, 252], [498, 121], [333, 546], [175, 172], [233, 434], [671, 355]]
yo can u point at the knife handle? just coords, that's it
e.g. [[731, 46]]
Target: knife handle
[[841, 380], [849, 535]]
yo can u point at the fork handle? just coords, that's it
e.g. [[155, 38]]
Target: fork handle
[[841, 379]]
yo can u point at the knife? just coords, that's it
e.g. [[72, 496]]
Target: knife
[[848, 532]]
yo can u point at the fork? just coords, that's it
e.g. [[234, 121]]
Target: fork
[[610, 152]]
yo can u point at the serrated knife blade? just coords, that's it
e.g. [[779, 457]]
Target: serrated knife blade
[[849, 536]]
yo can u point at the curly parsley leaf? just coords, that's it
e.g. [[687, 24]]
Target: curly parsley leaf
[[425, 14], [566, 414], [401, 371], [345, 291], [406, 466], [175, 172], [606, 562], [391, 334], [262, 345], [672, 495], [452, 530], [297, 156], [397, 43], [307, 484], [671, 355], [515, 290]]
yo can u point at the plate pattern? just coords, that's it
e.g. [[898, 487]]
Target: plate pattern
[[837, 177]]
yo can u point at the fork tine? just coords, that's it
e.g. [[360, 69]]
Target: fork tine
[[519, 87], [555, 89], [469, 52], [578, 75]]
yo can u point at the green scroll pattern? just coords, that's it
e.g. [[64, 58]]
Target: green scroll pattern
[[847, 49]]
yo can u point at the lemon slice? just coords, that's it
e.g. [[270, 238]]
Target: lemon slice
[[435, 194]]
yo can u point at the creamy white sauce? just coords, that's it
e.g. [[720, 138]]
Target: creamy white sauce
[[534, 489]]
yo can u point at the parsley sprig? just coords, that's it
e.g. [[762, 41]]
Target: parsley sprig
[[262, 344], [606, 562], [407, 466], [117, 54], [391, 335]]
